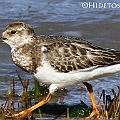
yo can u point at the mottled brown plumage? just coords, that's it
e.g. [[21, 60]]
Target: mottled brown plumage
[[65, 54]]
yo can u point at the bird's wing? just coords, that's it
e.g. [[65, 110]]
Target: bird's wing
[[68, 54]]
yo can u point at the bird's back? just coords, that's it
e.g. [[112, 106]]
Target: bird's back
[[66, 54]]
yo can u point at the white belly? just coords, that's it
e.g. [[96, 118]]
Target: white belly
[[48, 75]]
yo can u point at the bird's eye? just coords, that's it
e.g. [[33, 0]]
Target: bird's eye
[[13, 32]]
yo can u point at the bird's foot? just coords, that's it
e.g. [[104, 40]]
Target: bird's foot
[[27, 112], [22, 114], [19, 115], [95, 113]]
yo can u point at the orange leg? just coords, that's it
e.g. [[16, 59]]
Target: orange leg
[[95, 106], [29, 110]]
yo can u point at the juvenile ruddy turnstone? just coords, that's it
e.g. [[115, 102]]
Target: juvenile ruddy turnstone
[[58, 61]]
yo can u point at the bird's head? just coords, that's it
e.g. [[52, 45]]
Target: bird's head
[[17, 34]]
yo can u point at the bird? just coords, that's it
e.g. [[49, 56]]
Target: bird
[[58, 60]]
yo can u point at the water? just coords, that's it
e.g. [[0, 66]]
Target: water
[[100, 26]]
